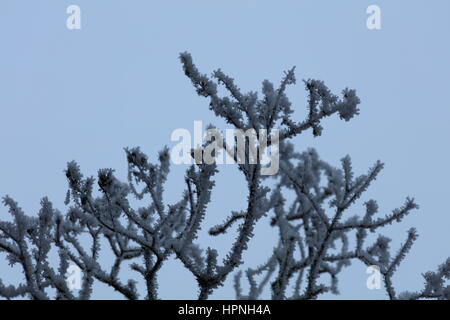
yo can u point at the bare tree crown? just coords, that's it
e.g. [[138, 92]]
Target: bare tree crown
[[317, 239]]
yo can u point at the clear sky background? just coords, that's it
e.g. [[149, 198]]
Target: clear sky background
[[86, 94]]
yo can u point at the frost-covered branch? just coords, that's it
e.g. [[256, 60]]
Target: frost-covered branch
[[132, 224], [315, 228]]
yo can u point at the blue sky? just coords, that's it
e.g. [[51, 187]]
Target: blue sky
[[86, 94]]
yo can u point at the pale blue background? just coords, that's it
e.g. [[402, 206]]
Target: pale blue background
[[86, 94]]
